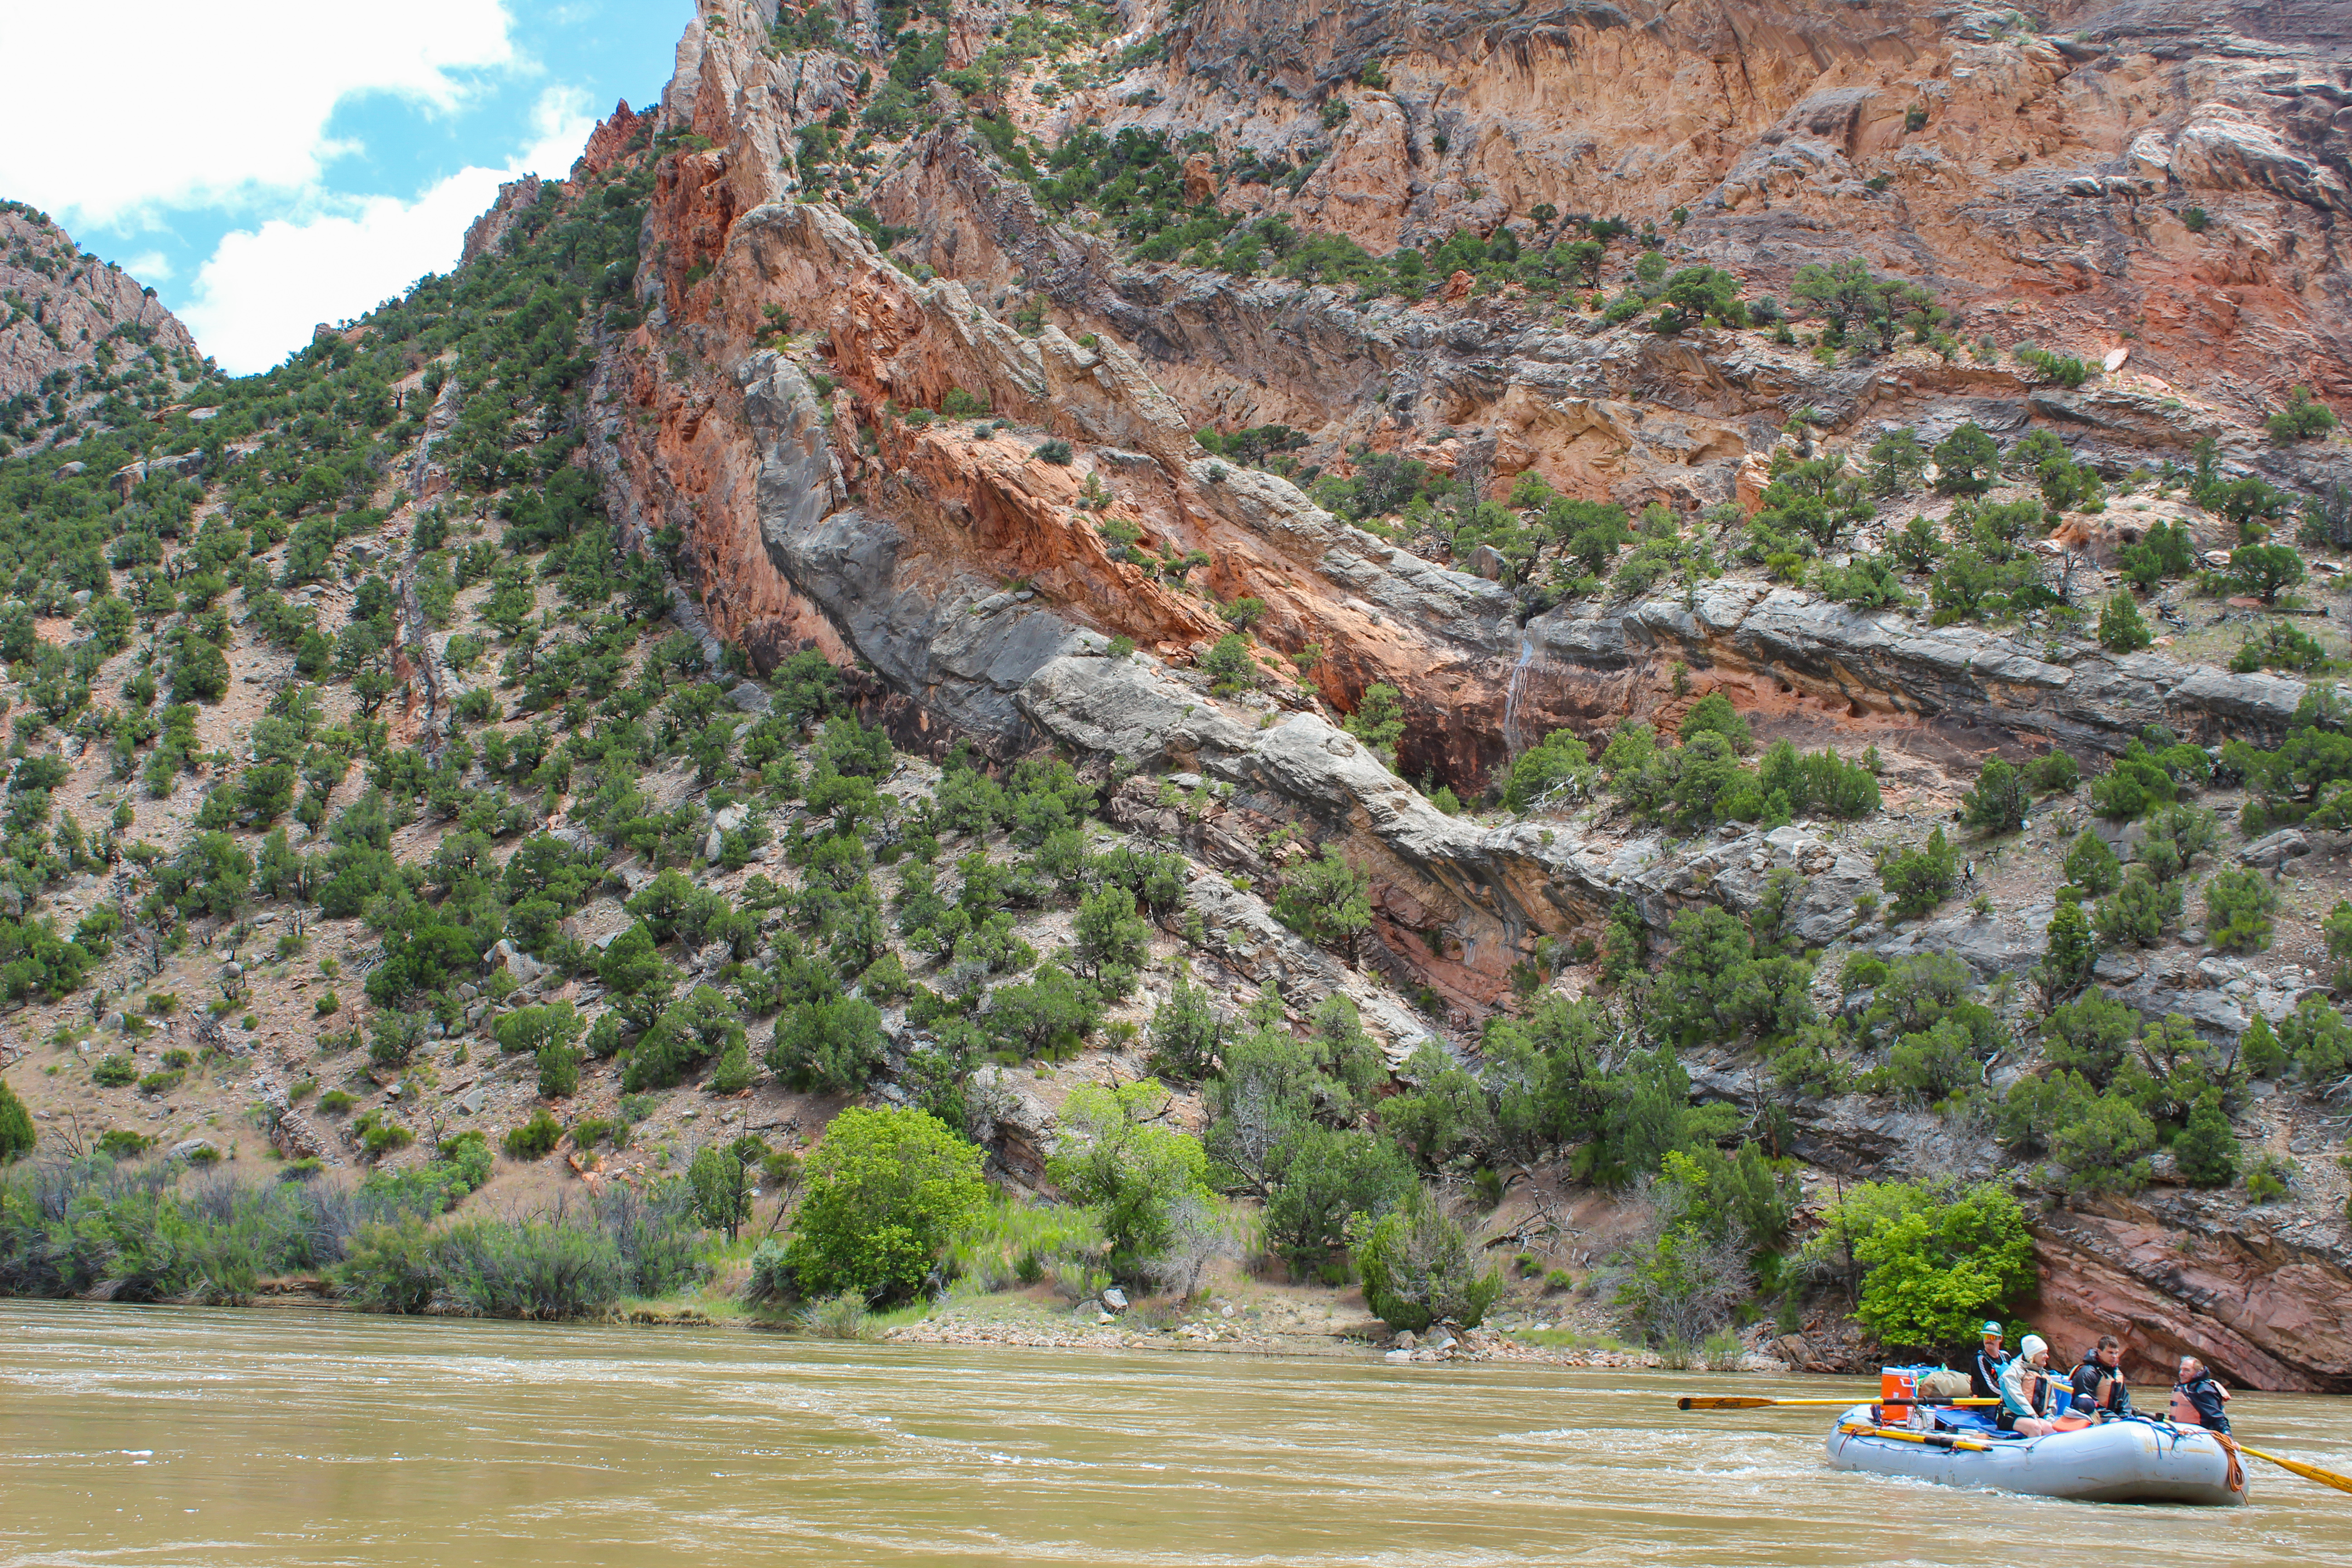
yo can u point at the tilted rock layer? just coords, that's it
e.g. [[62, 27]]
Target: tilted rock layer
[[2157, 187]]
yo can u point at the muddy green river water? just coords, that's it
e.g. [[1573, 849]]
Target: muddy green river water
[[141, 1436]]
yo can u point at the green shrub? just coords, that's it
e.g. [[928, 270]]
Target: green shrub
[[390, 1268], [1561, 759], [827, 1046], [467, 1157], [2318, 1040], [2238, 905], [2264, 569], [885, 1191], [121, 1143], [2121, 629], [2092, 867], [1327, 1177], [1918, 880], [533, 1029], [2069, 953], [379, 1138], [2300, 420], [2280, 646], [2269, 1178], [16, 1134], [2092, 1035], [530, 1267], [335, 1101], [2064, 369], [2137, 911], [733, 1073], [1328, 901], [1938, 1260], [1230, 666], [720, 1181], [841, 1317], [2207, 1149], [2106, 1145], [1967, 461], [1418, 1269], [1114, 1157], [534, 1139], [1998, 803], [559, 1069], [1715, 713]]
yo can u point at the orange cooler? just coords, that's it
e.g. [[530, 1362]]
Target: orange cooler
[[1898, 1394]]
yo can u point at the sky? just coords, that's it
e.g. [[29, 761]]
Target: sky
[[266, 165]]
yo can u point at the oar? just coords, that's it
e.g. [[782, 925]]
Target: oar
[[1747, 1402], [1932, 1440], [2308, 1472]]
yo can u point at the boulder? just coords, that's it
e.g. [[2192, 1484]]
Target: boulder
[[504, 954], [2274, 850]]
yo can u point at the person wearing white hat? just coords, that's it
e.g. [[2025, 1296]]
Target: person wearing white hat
[[2025, 1391]]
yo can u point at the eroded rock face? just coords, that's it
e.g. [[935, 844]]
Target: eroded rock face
[[2012, 168], [926, 518], [976, 578], [61, 305], [2179, 1274]]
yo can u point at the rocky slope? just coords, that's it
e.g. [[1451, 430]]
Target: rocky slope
[[77, 333], [2149, 186], [935, 342]]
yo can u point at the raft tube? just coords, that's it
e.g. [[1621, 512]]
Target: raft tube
[[2118, 1461]]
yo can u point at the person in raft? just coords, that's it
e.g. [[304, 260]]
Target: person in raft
[[2198, 1397], [1984, 1374], [2031, 1399], [2099, 1381]]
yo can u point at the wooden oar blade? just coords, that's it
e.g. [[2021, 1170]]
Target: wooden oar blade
[[2308, 1472], [1722, 1402]]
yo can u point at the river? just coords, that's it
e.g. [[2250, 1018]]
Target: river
[[171, 1435]]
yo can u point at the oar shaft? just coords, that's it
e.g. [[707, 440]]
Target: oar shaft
[[1929, 1439], [2308, 1472], [1758, 1402]]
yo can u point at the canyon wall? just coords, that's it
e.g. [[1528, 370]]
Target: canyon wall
[[2157, 188]]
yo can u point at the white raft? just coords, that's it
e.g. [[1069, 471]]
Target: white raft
[[2116, 1461]]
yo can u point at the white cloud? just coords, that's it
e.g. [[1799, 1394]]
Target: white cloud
[[260, 294], [214, 102], [152, 269]]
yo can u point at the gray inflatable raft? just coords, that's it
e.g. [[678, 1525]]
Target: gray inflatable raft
[[2119, 1461]]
